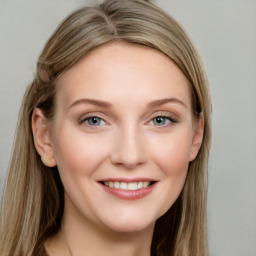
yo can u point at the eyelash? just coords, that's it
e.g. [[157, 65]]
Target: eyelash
[[166, 116], [171, 120], [86, 118]]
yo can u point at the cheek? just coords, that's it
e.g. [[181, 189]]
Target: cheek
[[77, 154], [172, 157], [172, 153]]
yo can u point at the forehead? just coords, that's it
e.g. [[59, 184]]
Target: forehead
[[122, 71]]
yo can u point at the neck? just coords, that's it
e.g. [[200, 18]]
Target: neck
[[78, 236]]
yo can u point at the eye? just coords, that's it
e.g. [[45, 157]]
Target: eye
[[162, 121], [93, 121]]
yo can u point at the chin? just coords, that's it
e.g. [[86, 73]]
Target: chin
[[130, 228], [124, 224]]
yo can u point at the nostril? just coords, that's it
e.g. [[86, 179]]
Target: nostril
[[129, 149], [126, 161]]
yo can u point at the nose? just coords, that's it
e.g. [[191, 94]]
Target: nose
[[129, 148]]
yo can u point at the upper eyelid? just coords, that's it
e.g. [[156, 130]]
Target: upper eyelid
[[150, 117], [90, 115], [172, 120], [163, 114]]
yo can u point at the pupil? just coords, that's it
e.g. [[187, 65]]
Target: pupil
[[159, 120], [95, 120]]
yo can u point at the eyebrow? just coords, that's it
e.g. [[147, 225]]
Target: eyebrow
[[105, 104], [160, 102], [91, 101]]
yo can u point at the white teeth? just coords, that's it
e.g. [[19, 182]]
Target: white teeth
[[146, 184], [140, 184], [127, 185], [123, 186], [116, 184], [132, 186]]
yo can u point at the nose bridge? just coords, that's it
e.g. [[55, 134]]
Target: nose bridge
[[129, 149]]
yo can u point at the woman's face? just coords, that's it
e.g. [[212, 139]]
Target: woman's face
[[122, 136]]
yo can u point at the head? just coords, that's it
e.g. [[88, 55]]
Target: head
[[86, 31]]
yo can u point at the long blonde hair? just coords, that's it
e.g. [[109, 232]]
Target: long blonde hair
[[32, 206]]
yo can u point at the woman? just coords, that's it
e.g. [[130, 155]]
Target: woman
[[111, 151]]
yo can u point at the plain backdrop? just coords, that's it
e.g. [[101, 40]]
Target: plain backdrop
[[224, 31]]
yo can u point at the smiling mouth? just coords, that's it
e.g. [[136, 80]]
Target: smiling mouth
[[131, 186]]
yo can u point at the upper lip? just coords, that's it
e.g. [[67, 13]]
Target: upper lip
[[128, 179]]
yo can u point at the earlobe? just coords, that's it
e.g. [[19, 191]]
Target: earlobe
[[42, 137], [197, 137]]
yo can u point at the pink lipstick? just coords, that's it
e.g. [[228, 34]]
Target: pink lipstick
[[128, 189]]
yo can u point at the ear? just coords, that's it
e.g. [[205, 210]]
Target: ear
[[197, 137], [41, 129]]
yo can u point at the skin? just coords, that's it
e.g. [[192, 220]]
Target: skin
[[126, 142]]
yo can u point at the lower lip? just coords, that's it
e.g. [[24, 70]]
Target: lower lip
[[129, 194]]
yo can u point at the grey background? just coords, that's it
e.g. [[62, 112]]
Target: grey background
[[224, 31]]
